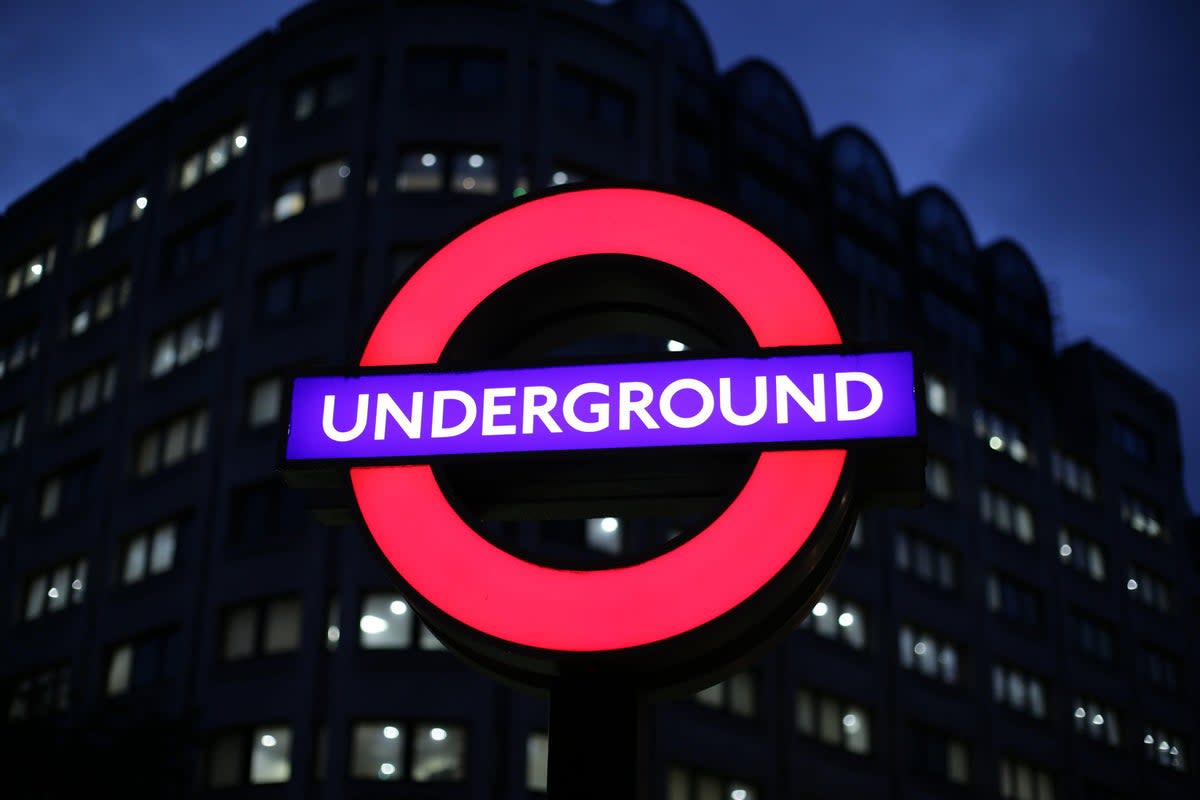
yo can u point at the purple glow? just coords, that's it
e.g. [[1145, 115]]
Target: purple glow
[[718, 401]]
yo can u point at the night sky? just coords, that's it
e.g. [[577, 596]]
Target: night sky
[[1070, 125]]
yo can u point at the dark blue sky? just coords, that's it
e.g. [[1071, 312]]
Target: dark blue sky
[[1070, 125]]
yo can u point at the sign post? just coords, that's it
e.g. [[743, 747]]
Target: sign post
[[809, 416]]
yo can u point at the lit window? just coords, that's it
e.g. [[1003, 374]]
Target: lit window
[[1149, 589], [537, 755], [120, 667], [1019, 690], [171, 442], [386, 622], [474, 173], [928, 562], [1096, 721], [1165, 748], [12, 431], [1081, 553], [289, 199], [149, 553], [737, 695], [271, 755], [1072, 475], [1006, 515], [55, 589], [836, 722], [937, 396], [938, 480], [211, 157], [1142, 516], [29, 272], [321, 93], [604, 534], [262, 628], [282, 633], [266, 395], [378, 751], [322, 183], [421, 171], [328, 182], [1002, 436], [561, 177], [685, 783], [439, 753], [1022, 781], [838, 619], [929, 655]]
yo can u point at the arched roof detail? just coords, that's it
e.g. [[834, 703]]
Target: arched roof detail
[[1014, 273], [938, 217], [852, 152], [678, 24], [762, 88]]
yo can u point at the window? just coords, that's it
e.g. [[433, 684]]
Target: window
[[315, 94], [1073, 475], [561, 176], [55, 589], [1022, 781], [387, 622], [261, 628], [212, 156], [592, 102], [939, 756], [169, 443], [1013, 601], [18, 352], [1160, 669], [1081, 553], [313, 186], [150, 552], [29, 272], [393, 751], [261, 755], [1096, 721], [65, 492], [604, 534], [1019, 690], [12, 431], [938, 397], [686, 783], [928, 562], [84, 393], [198, 248], [264, 401], [1006, 515], [842, 620], [137, 664], [1133, 441], [107, 221], [1002, 435], [737, 695], [183, 343], [98, 304], [5, 516], [537, 760], [466, 171], [1142, 516], [858, 536], [1149, 589], [42, 694], [294, 291], [449, 75], [939, 480], [1165, 748], [265, 515], [930, 655], [1091, 637], [834, 721]]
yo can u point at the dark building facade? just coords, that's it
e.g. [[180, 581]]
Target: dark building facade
[[172, 613]]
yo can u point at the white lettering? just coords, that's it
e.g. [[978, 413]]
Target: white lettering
[[491, 409], [760, 401], [627, 406], [360, 421], [386, 407], [599, 409], [674, 388], [438, 430], [784, 389], [844, 414], [531, 409]]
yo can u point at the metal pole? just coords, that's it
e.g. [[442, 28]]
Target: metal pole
[[600, 736]]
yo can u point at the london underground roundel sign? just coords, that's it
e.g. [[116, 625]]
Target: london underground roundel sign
[[800, 399]]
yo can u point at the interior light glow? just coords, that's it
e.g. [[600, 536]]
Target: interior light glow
[[398, 607], [996, 443], [558, 178], [333, 634], [820, 609], [1064, 550], [141, 202], [1080, 713], [371, 624], [850, 722], [846, 619], [268, 740], [676, 346], [437, 734], [737, 794], [344, 171], [391, 732], [53, 591], [1131, 584], [1149, 739], [919, 648], [36, 269], [475, 160], [77, 585], [239, 141], [609, 524], [1098, 720], [428, 160], [387, 768]]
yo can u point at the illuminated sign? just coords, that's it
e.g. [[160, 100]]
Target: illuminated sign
[[766, 400], [794, 404]]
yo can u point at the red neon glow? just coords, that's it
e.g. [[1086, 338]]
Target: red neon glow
[[494, 592]]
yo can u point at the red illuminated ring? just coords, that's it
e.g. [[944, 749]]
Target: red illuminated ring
[[494, 592]]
